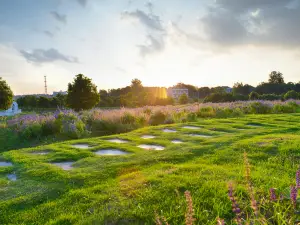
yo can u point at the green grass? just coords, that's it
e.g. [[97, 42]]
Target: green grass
[[129, 189]]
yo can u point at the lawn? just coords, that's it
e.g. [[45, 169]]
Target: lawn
[[132, 188]]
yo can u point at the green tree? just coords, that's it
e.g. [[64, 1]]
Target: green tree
[[6, 95], [241, 89], [82, 93], [276, 77], [44, 102], [253, 95], [183, 99], [136, 85], [291, 95]]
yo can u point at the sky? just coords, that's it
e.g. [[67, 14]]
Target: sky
[[161, 42]]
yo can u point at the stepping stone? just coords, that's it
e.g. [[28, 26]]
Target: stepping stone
[[152, 147], [191, 127], [148, 136], [5, 163], [200, 135], [64, 165], [119, 141], [40, 153], [169, 131], [111, 152], [81, 146], [12, 177], [177, 142]]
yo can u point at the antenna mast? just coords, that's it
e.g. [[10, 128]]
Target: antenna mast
[[45, 81]]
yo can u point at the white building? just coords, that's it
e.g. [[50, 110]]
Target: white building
[[177, 92], [13, 110]]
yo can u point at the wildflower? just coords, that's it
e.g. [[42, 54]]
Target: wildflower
[[293, 195], [189, 220], [249, 185], [235, 207], [298, 179], [272, 194]]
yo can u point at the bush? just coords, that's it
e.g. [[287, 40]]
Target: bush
[[157, 118], [192, 117], [33, 131], [206, 112], [169, 120], [228, 112], [239, 97], [270, 97], [127, 118], [291, 95], [260, 108], [70, 125], [219, 97], [253, 96], [183, 99], [101, 127]]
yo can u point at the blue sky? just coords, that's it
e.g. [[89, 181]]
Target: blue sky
[[161, 42]]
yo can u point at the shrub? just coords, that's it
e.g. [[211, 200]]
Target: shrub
[[141, 121], [270, 97], [101, 127], [127, 118], [239, 97], [228, 112], [169, 120], [219, 97], [253, 96], [291, 95], [191, 117], [31, 132], [260, 108], [183, 99], [157, 118], [206, 112], [70, 125]]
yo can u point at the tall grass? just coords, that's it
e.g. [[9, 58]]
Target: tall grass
[[97, 122]]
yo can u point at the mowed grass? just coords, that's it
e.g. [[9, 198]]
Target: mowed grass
[[131, 188]]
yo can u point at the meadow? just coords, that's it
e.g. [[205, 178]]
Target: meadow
[[36, 128], [72, 183]]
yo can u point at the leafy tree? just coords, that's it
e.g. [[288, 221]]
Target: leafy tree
[[204, 92], [193, 91], [291, 95], [253, 95], [183, 99], [44, 102], [82, 93], [240, 88], [219, 97], [276, 77], [6, 95], [136, 85]]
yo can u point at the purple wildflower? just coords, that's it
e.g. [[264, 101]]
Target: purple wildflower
[[272, 194], [293, 195], [235, 206], [298, 179]]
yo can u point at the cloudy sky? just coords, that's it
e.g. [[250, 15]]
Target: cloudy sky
[[161, 42]]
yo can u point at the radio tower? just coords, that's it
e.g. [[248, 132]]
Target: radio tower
[[45, 81]]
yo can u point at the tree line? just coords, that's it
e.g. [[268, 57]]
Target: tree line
[[83, 94]]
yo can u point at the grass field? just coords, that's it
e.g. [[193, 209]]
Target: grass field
[[131, 188]]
